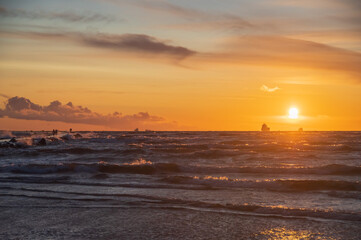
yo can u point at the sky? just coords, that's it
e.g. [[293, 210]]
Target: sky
[[204, 65]]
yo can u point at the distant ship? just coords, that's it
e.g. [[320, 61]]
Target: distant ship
[[265, 128]]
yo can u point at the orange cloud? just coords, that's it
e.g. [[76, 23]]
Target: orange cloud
[[286, 52]]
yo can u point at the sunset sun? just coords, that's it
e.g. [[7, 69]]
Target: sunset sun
[[293, 113]]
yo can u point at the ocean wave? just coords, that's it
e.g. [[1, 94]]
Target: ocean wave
[[85, 150], [271, 184], [103, 167], [13, 145], [213, 154], [53, 197], [332, 169], [4, 134], [35, 179], [271, 210], [179, 148], [41, 151], [154, 168], [176, 145], [27, 139], [155, 201], [342, 194]]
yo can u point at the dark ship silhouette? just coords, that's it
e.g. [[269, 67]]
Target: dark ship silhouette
[[265, 128]]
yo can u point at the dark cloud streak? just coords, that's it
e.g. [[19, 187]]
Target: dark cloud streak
[[126, 43], [137, 42]]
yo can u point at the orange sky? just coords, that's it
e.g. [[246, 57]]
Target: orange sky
[[176, 65]]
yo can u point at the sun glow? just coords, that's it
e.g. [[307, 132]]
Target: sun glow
[[293, 113]]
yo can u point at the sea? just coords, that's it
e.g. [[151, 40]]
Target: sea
[[180, 185]]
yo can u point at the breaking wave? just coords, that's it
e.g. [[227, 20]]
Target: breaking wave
[[147, 167], [332, 169], [274, 185], [137, 167]]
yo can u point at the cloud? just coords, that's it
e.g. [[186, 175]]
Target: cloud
[[351, 4], [4, 95], [138, 43], [261, 50], [287, 52], [264, 88], [224, 22], [23, 108], [345, 11], [199, 19], [120, 43], [168, 8], [354, 4], [64, 16]]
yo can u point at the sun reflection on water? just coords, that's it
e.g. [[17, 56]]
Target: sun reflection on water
[[281, 233]]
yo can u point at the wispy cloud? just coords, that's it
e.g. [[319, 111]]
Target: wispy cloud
[[140, 44], [169, 8], [48, 15], [23, 108], [351, 4], [345, 11], [287, 52], [261, 50], [198, 19], [264, 88], [137, 42], [4, 95]]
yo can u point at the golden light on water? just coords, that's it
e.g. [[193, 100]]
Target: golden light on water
[[293, 113], [281, 233]]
